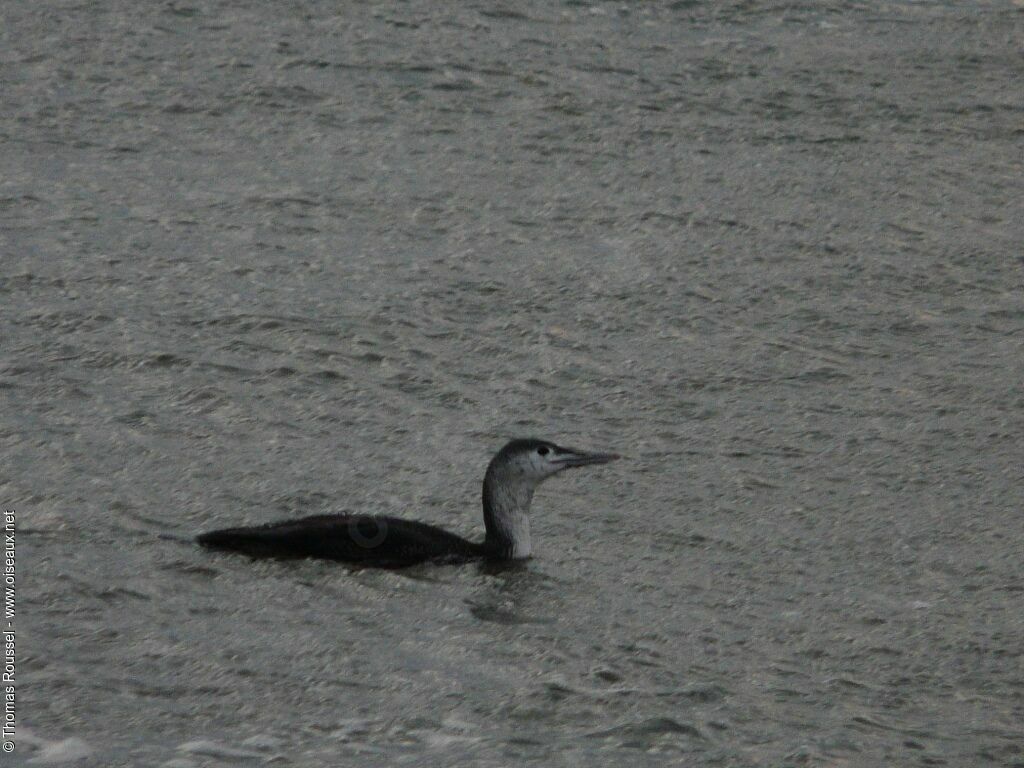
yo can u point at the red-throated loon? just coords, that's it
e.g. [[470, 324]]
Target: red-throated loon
[[391, 542]]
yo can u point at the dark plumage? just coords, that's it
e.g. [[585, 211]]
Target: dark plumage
[[384, 542], [391, 542]]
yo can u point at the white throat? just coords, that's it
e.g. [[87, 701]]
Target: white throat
[[507, 498]]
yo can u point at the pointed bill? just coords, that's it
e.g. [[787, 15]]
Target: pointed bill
[[570, 457]]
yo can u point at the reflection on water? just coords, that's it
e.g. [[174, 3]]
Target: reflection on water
[[264, 262]]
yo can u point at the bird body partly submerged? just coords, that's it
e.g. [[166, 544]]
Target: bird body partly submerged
[[392, 542], [383, 542]]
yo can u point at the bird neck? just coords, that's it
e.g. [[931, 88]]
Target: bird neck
[[507, 500]]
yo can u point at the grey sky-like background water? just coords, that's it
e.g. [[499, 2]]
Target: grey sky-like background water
[[268, 259]]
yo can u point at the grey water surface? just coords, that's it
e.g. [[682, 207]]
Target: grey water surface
[[267, 259]]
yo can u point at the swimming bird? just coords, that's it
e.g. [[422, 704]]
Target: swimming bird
[[391, 542]]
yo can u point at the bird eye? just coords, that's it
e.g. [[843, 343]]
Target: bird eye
[[542, 451]]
